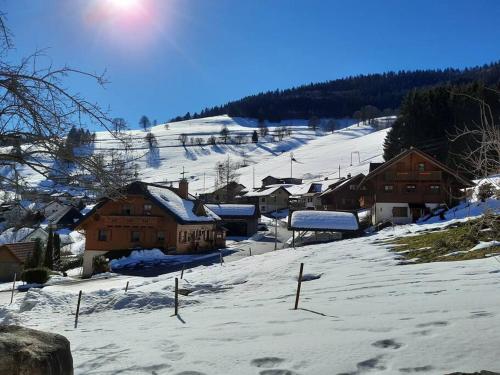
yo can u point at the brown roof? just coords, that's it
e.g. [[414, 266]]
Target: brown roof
[[21, 250]]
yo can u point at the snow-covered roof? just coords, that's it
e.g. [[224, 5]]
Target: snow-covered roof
[[327, 220], [182, 208], [232, 209], [265, 192], [12, 235]]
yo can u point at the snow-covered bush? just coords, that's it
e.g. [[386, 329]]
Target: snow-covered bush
[[485, 191]]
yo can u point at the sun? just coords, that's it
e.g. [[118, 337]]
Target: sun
[[123, 5]]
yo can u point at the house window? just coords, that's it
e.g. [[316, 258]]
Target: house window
[[411, 188], [400, 211], [135, 236], [388, 188], [435, 189], [421, 167], [263, 200], [127, 210], [147, 209], [160, 236], [102, 235], [352, 187], [184, 236]]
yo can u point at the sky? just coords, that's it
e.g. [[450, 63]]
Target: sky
[[164, 58]]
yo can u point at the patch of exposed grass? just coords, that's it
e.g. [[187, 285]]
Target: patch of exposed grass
[[450, 244]]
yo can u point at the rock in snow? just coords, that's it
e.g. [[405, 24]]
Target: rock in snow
[[25, 351]]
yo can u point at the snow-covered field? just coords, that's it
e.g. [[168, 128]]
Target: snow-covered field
[[359, 312], [319, 154]]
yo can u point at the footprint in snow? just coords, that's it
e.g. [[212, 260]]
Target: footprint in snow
[[267, 362], [387, 344]]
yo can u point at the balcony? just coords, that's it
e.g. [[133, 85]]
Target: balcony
[[413, 176], [130, 221]]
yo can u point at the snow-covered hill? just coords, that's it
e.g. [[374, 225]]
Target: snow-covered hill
[[318, 154]]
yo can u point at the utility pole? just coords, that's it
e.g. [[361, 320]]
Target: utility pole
[[339, 171], [275, 222]]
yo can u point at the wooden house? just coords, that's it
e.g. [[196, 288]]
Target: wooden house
[[12, 259], [408, 186], [224, 194], [149, 216], [66, 217], [269, 199], [342, 195]]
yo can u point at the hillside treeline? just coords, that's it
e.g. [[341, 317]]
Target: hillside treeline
[[342, 97], [431, 119]]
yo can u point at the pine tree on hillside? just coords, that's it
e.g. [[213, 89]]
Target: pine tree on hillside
[[49, 251], [224, 133], [144, 123]]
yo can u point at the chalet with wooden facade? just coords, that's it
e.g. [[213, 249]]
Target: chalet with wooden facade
[[342, 195], [408, 186], [150, 216]]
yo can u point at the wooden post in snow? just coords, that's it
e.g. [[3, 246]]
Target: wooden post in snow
[[126, 287], [182, 272], [13, 288], [250, 250], [78, 308], [221, 258], [298, 286], [176, 296], [293, 238]]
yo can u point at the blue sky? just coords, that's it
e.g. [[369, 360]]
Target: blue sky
[[184, 55]]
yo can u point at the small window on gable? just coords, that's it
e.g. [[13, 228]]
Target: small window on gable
[[352, 187], [411, 188], [388, 188], [127, 210], [102, 235], [135, 236], [160, 236], [147, 209], [421, 167], [263, 199], [435, 188]]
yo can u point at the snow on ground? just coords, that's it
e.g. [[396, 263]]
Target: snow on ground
[[318, 154], [359, 312]]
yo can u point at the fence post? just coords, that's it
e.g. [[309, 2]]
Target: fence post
[[298, 286], [78, 308], [13, 288], [126, 287], [176, 295], [250, 251], [182, 272], [221, 258]]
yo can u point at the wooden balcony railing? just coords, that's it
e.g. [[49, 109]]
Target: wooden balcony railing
[[413, 176], [132, 221]]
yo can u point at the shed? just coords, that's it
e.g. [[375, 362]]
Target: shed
[[344, 223], [12, 258], [238, 219]]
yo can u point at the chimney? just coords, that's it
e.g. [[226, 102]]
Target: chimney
[[183, 188]]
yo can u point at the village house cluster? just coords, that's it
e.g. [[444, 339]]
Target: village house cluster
[[147, 216]]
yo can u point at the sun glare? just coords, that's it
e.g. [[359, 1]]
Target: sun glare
[[124, 4]]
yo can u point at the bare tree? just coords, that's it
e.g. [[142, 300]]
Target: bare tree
[[482, 153], [144, 123], [119, 124], [183, 138], [37, 111], [313, 123]]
